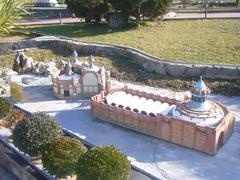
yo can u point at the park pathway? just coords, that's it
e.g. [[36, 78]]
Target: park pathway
[[169, 16]]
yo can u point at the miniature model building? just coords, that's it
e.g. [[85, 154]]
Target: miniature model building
[[196, 123], [79, 79]]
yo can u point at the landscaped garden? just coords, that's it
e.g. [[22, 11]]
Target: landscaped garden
[[124, 69]]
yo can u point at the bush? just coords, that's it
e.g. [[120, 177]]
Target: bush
[[17, 92], [5, 107], [14, 117], [60, 156], [105, 163], [32, 133], [61, 1]]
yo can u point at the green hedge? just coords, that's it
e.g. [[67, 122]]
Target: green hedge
[[60, 156], [35, 131], [104, 163]]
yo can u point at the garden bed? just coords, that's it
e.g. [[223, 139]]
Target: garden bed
[[124, 69]]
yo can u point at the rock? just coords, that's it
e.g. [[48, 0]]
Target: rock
[[51, 69], [194, 71], [22, 63], [7, 72], [149, 67], [4, 88], [45, 69], [160, 68], [176, 70], [28, 80]]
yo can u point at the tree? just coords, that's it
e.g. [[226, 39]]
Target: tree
[[141, 8], [88, 9], [60, 156], [10, 12], [155, 8]]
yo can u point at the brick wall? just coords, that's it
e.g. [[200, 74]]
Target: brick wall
[[188, 134]]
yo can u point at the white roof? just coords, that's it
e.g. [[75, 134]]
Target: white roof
[[65, 77], [139, 103]]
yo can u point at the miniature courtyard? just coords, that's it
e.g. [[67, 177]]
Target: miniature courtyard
[[119, 90], [159, 158]]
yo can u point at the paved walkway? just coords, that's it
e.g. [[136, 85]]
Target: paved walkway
[[159, 158], [169, 16]]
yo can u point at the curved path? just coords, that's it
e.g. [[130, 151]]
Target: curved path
[[169, 16]]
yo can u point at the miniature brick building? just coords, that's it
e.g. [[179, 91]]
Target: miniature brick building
[[196, 123], [79, 79]]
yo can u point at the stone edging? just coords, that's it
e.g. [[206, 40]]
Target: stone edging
[[148, 61]]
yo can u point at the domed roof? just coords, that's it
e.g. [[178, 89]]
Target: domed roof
[[69, 65], [75, 54], [199, 109], [200, 87]]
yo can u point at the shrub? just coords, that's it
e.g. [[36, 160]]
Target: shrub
[[17, 92], [60, 156], [104, 163], [5, 107], [61, 1], [14, 117], [32, 133]]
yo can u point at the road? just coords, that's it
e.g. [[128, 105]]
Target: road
[[169, 16]]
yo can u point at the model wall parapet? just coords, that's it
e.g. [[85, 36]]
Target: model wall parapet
[[205, 138]]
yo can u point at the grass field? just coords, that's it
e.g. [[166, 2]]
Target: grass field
[[202, 41], [14, 36]]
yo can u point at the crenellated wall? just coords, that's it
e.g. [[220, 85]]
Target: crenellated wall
[[149, 62], [188, 134]]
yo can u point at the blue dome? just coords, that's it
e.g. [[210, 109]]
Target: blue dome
[[200, 85]]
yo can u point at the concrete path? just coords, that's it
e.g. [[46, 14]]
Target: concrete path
[[159, 158], [169, 16]]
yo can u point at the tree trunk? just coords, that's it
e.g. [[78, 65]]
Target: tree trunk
[[138, 16]]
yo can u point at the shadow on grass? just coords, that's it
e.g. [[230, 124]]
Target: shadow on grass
[[81, 30], [125, 69]]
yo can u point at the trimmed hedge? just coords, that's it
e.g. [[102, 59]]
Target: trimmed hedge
[[60, 156], [104, 163], [35, 131], [5, 107]]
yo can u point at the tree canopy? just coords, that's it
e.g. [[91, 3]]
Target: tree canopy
[[138, 9]]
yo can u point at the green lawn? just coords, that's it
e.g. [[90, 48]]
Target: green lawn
[[203, 41], [14, 36]]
